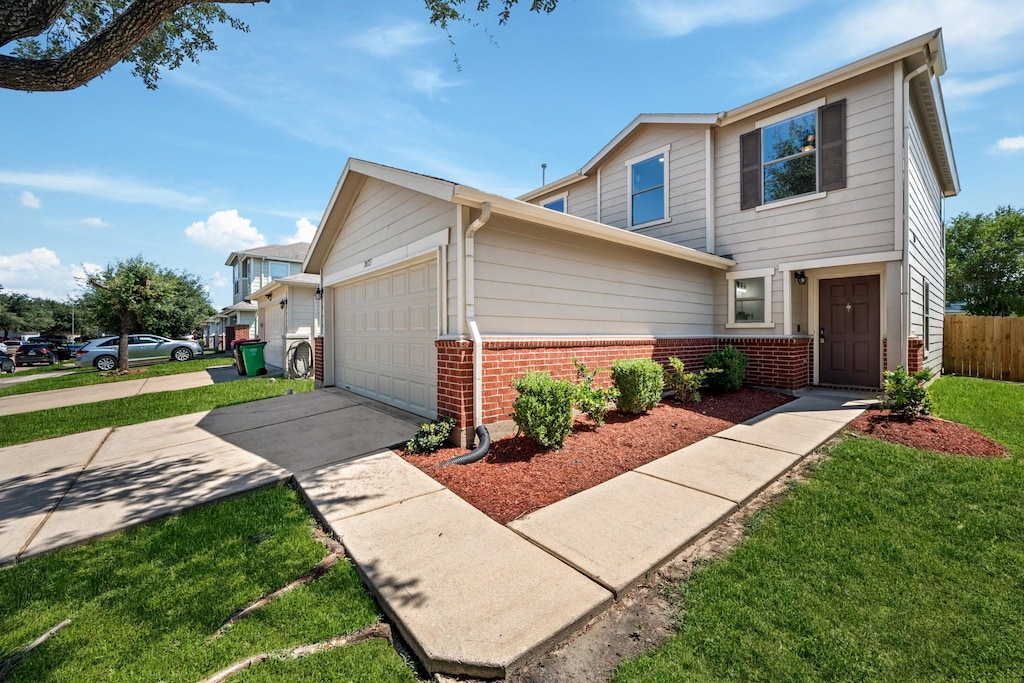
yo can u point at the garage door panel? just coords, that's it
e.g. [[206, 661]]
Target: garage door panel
[[386, 329]]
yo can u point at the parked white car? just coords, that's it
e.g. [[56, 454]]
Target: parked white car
[[102, 353]]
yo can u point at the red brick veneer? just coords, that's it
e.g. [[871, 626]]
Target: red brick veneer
[[915, 354], [774, 362], [318, 361]]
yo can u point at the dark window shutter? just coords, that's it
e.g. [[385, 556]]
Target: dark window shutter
[[750, 169], [832, 146]]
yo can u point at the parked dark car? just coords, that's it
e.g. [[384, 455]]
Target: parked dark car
[[6, 363], [31, 354]]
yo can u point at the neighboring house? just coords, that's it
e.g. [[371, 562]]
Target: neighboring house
[[286, 314], [253, 269], [804, 228]]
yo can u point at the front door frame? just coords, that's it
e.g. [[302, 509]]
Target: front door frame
[[814, 279]]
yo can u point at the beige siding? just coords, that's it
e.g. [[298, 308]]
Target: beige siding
[[271, 330], [301, 310], [530, 281], [686, 184], [386, 217], [926, 246], [855, 220], [858, 219]]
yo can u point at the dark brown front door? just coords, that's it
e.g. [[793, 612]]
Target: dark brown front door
[[850, 331]]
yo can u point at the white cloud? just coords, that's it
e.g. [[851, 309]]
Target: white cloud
[[218, 279], [30, 200], [958, 89], [429, 81], [116, 189], [93, 222], [40, 273], [225, 231], [1014, 144], [304, 231], [391, 41], [680, 17]]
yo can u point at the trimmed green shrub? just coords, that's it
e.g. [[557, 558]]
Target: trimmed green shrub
[[591, 401], [543, 408], [686, 384], [732, 365], [905, 394], [431, 436], [640, 382]]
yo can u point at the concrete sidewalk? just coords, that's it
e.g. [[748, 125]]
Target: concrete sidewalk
[[469, 595], [94, 393]]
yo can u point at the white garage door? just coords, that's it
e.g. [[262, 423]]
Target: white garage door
[[385, 328]]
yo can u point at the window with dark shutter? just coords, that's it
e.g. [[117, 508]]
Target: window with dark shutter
[[832, 146], [750, 169]]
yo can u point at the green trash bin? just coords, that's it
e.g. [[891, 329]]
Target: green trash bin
[[252, 357]]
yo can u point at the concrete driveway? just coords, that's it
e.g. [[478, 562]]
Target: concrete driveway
[[67, 490]]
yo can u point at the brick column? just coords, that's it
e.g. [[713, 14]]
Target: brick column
[[455, 385], [915, 354], [318, 361], [241, 332]]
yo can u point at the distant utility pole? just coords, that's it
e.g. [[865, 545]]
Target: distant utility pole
[[543, 174]]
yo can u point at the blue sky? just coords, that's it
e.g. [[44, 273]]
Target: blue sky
[[245, 148]]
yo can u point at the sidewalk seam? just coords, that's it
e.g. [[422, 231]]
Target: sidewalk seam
[[71, 484]]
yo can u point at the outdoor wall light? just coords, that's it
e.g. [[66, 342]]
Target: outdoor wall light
[[270, 296], [319, 293], [284, 302], [800, 276]]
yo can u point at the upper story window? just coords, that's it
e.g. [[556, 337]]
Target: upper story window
[[245, 268], [790, 157], [278, 269], [797, 154], [557, 203], [648, 188]]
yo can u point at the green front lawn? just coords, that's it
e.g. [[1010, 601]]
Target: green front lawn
[[86, 376], [53, 422], [144, 603], [888, 564]]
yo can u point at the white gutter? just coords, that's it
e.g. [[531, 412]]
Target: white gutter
[[474, 330], [905, 280]]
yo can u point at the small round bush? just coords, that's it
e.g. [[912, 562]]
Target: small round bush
[[733, 366], [640, 382], [543, 408]]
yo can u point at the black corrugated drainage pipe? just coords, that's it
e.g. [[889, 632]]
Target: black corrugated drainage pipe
[[483, 444]]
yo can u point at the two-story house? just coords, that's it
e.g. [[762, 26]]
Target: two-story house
[[804, 228], [252, 269]]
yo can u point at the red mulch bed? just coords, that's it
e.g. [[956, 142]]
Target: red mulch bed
[[930, 433], [517, 476]]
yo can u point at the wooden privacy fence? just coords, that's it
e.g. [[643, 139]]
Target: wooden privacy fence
[[984, 346]]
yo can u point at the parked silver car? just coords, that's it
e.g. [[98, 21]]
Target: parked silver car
[[102, 352]]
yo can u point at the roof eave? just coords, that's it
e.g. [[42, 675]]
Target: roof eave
[[514, 208], [552, 187], [932, 39]]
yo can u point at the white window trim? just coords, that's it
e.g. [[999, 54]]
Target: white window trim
[[766, 274], [790, 113], [799, 199], [554, 198], [629, 163]]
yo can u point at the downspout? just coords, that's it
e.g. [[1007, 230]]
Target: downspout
[[905, 284], [474, 330]]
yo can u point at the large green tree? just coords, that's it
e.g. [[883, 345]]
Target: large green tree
[[985, 262], [135, 295], [63, 44]]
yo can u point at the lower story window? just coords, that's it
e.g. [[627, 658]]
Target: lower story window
[[750, 298], [749, 295]]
